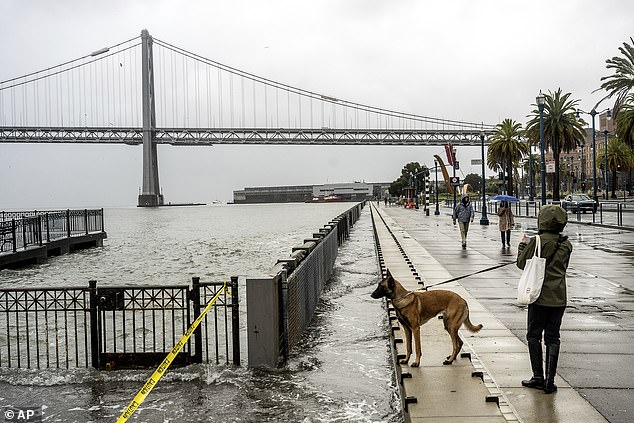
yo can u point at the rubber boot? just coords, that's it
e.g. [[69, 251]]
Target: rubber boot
[[552, 356], [535, 353]]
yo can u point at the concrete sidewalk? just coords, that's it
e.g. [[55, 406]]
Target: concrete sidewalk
[[418, 248]]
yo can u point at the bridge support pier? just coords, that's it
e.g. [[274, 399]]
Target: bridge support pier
[[151, 195]]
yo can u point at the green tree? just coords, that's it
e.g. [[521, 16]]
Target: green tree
[[620, 158], [625, 121], [562, 130], [474, 181], [621, 81], [536, 170], [411, 175], [506, 149]]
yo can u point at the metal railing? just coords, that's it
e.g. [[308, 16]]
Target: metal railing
[[116, 327], [20, 230], [303, 289], [607, 213], [44, 328], [281, 307]]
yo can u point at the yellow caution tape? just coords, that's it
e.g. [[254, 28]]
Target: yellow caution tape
[[162, 368]]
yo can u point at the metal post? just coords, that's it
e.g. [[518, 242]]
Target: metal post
[[198, 335], [48, 229], [453, 156], [593, 113], [607, 173], [600, 213], [25, 241], [540, 105], [13, 236], [39, 229], [620, 211], [583, 167], [68, 223], [531, 193], [86, 220], [235, 320], [95, 348], [437, 212], [484, 220]]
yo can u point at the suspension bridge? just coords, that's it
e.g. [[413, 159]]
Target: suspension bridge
[[150, 92]]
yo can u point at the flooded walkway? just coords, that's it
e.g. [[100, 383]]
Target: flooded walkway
[[595, 374]]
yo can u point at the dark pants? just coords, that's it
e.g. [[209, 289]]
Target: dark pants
[[546, 320], [506, 237]]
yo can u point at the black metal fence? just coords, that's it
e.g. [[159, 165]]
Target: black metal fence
[[281, 305], [607, 212], [43, 328], [116, 327], [19, 230]]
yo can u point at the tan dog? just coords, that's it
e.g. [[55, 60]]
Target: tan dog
[[414, 309]]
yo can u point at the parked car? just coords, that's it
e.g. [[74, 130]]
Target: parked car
[[579, 203]]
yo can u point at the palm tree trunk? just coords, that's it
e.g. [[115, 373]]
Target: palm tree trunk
[[614, 183], [509, 180], [556, 175]]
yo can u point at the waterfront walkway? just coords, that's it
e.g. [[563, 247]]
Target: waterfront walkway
[[595, 376]]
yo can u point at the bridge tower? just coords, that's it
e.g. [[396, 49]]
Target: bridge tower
[[151, 193]]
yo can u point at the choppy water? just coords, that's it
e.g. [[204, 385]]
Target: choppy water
[[340, 372]]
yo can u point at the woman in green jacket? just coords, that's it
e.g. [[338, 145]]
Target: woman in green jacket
[[546, 313]]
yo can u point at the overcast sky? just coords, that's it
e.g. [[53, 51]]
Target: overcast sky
[[478, 61]]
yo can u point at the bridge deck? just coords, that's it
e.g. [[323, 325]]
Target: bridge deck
[[211, 136]]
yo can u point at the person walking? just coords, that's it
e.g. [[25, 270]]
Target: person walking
[[546, 313], [506, 222], [464, 214]]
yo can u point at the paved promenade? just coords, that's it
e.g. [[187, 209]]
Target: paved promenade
[[595, 374]]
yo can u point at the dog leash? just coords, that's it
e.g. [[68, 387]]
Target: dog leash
[[468, 275]]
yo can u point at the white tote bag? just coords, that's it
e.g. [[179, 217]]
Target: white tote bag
[[532, 279]]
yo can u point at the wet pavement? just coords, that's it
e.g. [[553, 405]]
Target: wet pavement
[[598, 327]]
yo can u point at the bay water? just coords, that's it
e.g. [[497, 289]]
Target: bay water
[[340, 372]]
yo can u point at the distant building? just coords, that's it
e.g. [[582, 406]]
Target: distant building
[[577, 165], [356, 191], [283, 194]]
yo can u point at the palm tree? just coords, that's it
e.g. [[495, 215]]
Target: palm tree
[[535, 170], [506, 150], [562, 130], [620, 158], [625, 121], [625, 129], [621, 81]]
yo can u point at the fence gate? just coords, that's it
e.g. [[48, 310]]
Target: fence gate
[[117, 327], [138, 326]]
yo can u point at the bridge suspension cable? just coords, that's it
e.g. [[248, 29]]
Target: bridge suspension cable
[[93, 90], [197, 100], [345, 105]]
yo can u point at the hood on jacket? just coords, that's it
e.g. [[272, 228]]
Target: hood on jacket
[[552, 218], [465, 199]]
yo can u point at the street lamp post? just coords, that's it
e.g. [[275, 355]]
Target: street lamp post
[[607, 175], [541, 100], [453, 156], [531, 195], [583, 167], [520, 190], [484, 220], [437, 212], [593, 113]]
